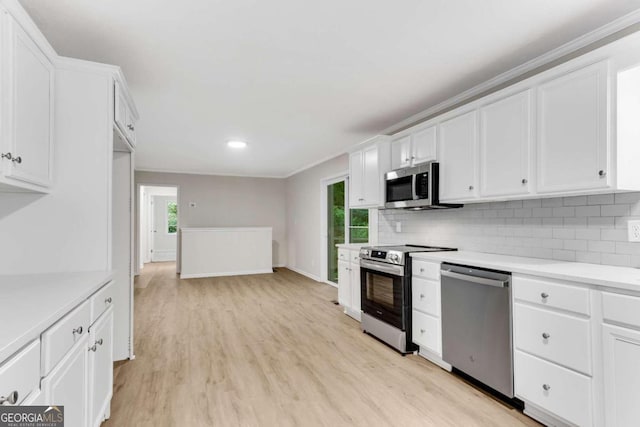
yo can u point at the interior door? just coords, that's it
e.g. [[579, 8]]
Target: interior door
[[163, 232]]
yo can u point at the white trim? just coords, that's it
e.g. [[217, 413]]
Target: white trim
[[304, 273], [229, 273], [330, 283], [324, 232], [434, 358], [318, 162], [192, 172], [574, 45]]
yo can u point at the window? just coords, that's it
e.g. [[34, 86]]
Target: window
[[172, 217], [359, 226]]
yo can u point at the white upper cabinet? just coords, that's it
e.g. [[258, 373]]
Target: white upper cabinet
[[366, 174], [401, 152], [415, 148], [573, 136], [124, 118], [505, 143], [27, 110], [458, 146]]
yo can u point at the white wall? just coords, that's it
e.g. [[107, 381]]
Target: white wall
[[224, 201], [304, 215], [66, 230]]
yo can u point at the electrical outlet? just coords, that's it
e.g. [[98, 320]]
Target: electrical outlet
[[634, 231]]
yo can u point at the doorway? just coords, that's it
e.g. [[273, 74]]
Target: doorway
[[159, 218], [339, 224]]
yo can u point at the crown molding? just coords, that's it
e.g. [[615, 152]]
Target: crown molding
[[208, 173]]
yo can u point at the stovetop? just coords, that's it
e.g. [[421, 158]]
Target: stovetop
[[396, 254]]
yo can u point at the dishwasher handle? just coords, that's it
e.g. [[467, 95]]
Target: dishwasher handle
[[475, 279]]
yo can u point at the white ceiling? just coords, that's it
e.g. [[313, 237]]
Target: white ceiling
[[300, 81]]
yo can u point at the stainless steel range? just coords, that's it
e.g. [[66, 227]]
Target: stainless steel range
[[385, 278]]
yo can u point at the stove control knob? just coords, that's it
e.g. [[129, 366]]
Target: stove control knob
[[394, 257]]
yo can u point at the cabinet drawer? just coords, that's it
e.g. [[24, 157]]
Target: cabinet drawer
[[551, 294], [355, 257], [426, 269], [560, 391], [343, 255], [101, 300], [58, 339], [568, 342], [621, 308], [21, 373], [426, 332], [426, 296]]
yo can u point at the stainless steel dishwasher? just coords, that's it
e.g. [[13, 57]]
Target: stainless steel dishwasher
[[476, 324]]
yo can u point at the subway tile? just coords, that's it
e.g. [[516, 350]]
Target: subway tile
[[564, 233], [601, 221], [628, 248], [542, 232], [616, 259], [615, 234], [564, 255], [575, 201], [564, 211], [614, 210], [622, 222], [589, 257], [600, 199], [513, 221], [523, 212], [589, 233], [575, 245], [601, 246], [552, 203], [490, 213], [514, 204], [505, 213], [532, 203], [552, 222], [542, 212], [552, 243], [584, 211], [532, 221], [575, 222], [627, 198]]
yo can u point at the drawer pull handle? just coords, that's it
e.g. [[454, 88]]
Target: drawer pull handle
[[78, 330], [422, 270], [93, 348], [108, 300], [544, 295], [546, 387], [545, 335], [422, 331], [421, 296], [99, 342], [11, 399]]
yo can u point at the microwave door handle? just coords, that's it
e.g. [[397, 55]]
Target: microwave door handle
[[414, 182]]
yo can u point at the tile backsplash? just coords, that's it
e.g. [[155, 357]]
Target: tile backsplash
[[589, 229]]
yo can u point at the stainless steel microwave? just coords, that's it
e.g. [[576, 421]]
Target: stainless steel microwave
[[415, 188]]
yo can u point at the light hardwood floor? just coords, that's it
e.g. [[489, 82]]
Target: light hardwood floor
[[273, 350]]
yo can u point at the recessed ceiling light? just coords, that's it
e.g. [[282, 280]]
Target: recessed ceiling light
[[237, 144]]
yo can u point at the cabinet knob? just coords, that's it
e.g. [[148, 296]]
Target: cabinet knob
[[422, 270], [406, 160], [93, 348], [524, 180], [471, 187], [361, 200], [108, 300], [17, 160], [7, 156], [78, 330], [602, 173], [545, 335], [422, 331], [546, 387], [421, 296], [544, 295], [11, 399], [100, 341]]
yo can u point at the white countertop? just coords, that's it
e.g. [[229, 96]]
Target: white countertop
[[192, 229], [29, 304], [352, 246], [594, 274]]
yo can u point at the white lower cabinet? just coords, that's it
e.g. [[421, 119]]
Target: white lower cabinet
[[100, 368], [67, 384], [349, 282]]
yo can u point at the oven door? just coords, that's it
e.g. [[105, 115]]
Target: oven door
[[383, 291]]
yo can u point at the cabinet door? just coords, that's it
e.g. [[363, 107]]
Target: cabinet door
[[30, 106], [424, 144], [356, 173], [458, 145], [131, 128], [371, 176], [573, 136], [505, 141], [355, 287], [121, 113], [100, 368], [401, 152], [67, 385], [621, 376], [344, 284]]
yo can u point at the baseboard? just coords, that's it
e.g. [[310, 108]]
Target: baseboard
[[280, 266], [226, 273], [357, 315], [304, 273], [330, 283], [433, 358], [542, 416]]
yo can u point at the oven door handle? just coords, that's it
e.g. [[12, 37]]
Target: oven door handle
[[474, 279], [396, 270]]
